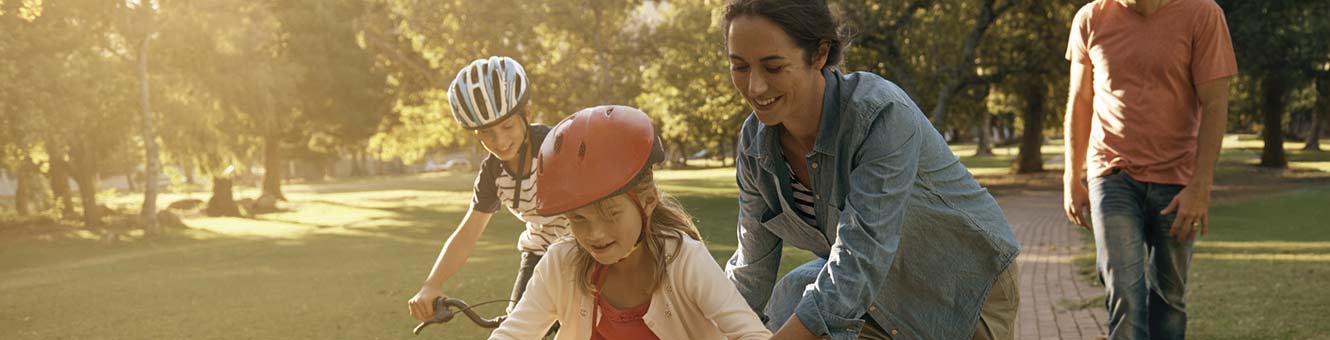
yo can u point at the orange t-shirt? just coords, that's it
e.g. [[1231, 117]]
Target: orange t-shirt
[[1146, 113]]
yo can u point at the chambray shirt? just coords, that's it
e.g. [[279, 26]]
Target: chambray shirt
[[909, 236]]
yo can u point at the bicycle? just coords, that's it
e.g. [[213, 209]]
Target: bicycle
[[444, 312]]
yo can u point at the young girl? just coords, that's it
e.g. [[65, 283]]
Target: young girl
[[637, 268]]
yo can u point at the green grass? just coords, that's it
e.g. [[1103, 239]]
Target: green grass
[[1264, 270], [340, 264], [349, 253]]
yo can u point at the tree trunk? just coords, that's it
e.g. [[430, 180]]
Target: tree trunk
[[60, 189], [274, 168], [223, 202], [148, 215], [602, 68], [985, 147], [1320, 113], [1030, 160], [87, 182], [358, 163], [379, 169], [1273, 89], [23, 193]]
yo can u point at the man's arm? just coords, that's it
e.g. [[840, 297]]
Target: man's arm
[[1193, 203], [1080, 109]]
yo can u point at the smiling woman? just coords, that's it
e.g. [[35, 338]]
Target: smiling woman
[[847, 167]]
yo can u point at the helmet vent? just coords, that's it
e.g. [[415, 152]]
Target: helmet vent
[[609, 111], [581, 151], [558, 142]]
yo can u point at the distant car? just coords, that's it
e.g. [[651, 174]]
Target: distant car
[[430, 166], [452, 164], [457, 164]]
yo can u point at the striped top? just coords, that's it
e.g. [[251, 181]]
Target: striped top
[[803, 200], [496, 187]]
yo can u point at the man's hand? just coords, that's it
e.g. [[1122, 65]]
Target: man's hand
[[1076, 202], [1192, 205], [794, 329]]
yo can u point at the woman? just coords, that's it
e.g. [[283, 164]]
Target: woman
[[847, 166]]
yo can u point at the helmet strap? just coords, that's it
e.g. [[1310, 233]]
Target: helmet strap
[[646, 224], [598, 276], [524, 158]]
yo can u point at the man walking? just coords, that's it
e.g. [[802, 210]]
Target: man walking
[[1145, 121]]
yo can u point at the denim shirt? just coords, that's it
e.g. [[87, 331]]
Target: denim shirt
[[909, 236]]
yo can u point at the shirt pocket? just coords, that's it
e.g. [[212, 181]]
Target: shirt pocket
[[791, 229]]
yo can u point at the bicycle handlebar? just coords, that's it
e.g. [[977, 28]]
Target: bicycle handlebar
[[443, 312]]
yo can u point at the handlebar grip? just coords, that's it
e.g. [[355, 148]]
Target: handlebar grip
[[443, 313]]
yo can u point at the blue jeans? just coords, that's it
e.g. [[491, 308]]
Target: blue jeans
[[1144, 270]]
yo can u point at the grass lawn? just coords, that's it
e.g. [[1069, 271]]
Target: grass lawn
[[1263, 272], [340, 264], [345, 257]]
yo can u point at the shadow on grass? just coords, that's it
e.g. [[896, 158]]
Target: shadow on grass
[[1261, 272]]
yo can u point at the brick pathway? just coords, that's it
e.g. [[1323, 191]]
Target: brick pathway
[[1048, 280]]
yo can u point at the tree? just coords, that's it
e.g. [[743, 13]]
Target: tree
[[74, 95], [138, 30], [577, 53], [686, 91], [1028, 51], [1319, 113], [1260, 27]]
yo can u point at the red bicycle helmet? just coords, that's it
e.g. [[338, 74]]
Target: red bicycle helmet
[[596, 153]]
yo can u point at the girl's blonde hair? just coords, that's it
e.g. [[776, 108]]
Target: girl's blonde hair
[[669, 222]]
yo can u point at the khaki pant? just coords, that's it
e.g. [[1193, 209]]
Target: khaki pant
[[997, 318]]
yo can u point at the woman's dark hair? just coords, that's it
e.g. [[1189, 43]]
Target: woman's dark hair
[[809, 22]]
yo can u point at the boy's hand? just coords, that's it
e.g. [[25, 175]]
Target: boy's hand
[[422, 305]]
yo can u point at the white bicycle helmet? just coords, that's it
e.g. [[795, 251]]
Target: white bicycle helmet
[[487, 91]]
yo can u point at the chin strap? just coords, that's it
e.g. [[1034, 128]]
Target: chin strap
[[602, 270]]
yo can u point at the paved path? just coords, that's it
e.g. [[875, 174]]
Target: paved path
[[1048, 279]]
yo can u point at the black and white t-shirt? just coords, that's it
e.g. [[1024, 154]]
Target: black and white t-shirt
[[803, 200], [495, 187]]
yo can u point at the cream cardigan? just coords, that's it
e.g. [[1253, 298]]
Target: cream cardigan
[[696, 301]]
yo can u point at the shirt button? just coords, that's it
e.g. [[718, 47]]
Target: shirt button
[[814, 165], [893, 332], [872, 308]]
